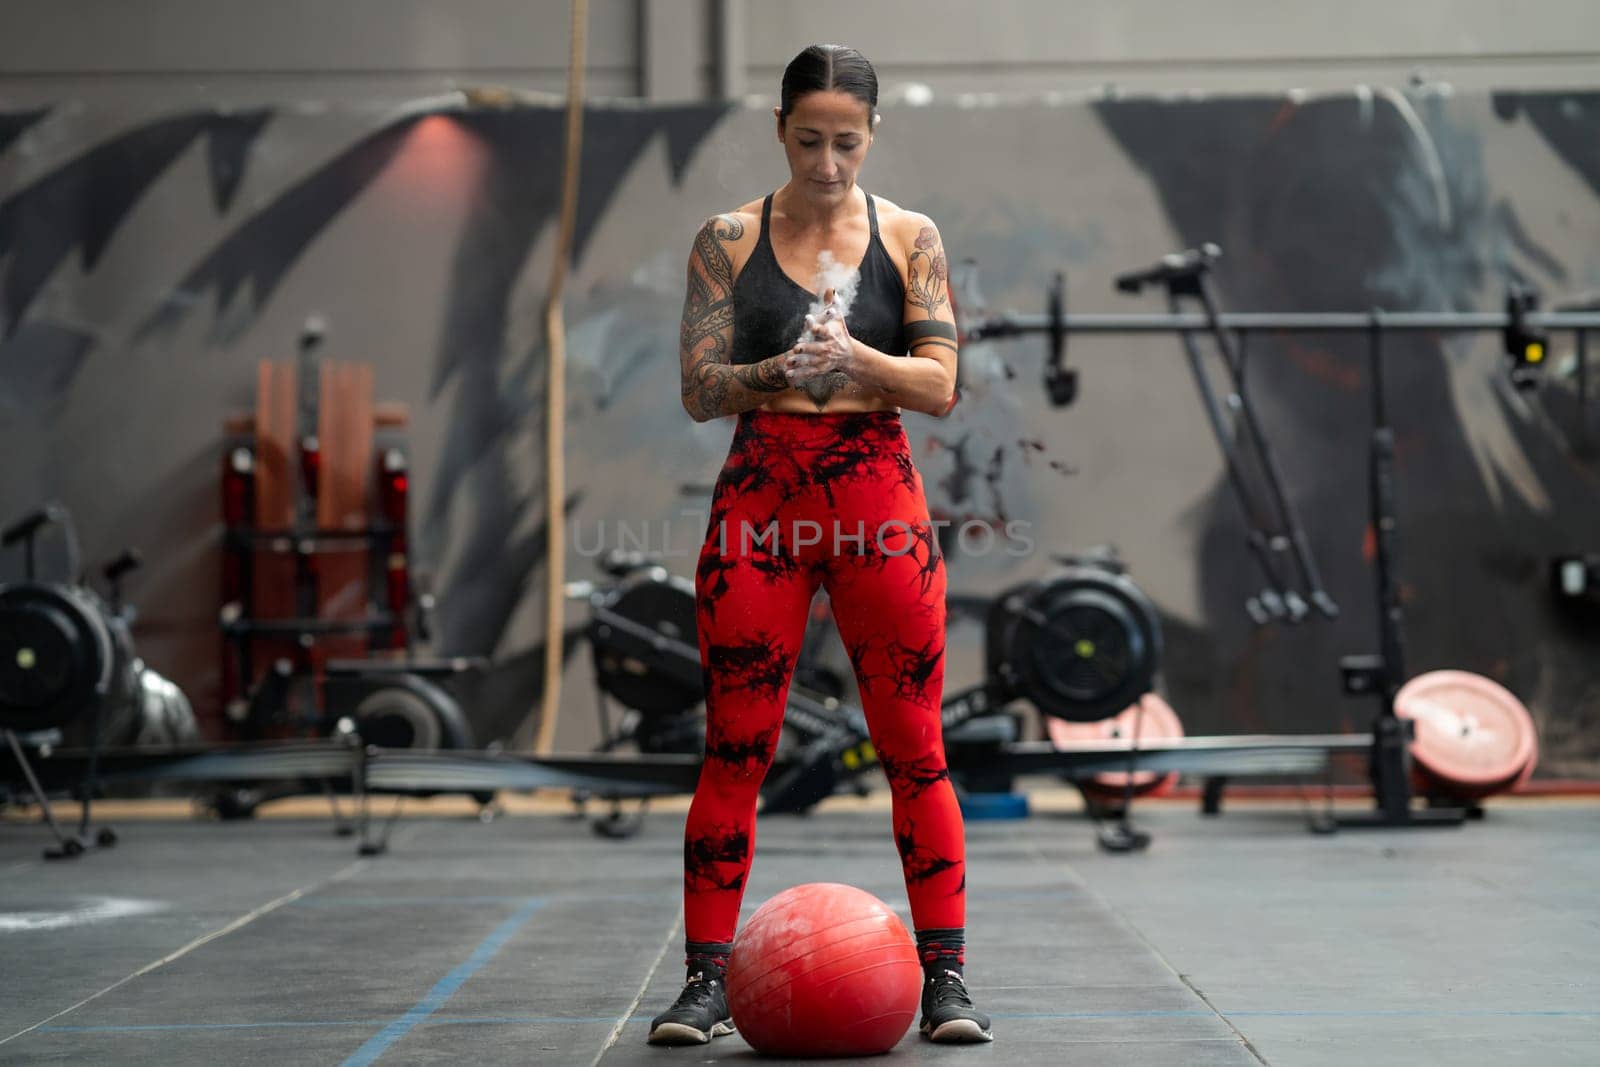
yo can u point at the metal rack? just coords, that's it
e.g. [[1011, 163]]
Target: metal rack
[[1183, 275]]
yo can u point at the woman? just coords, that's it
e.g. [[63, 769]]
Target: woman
[[819, 488]]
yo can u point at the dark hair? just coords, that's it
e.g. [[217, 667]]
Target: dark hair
[[824, 67]]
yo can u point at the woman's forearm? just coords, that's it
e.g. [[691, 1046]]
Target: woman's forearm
[[914, 382], [714, 389]]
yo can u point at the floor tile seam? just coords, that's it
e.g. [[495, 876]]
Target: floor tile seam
[[1076, 877], [344, 873], [627, 1016]]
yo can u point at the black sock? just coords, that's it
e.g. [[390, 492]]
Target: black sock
[[704, 957], [943, 950]]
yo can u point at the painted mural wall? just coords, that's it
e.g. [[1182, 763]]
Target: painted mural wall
[[149, 259]]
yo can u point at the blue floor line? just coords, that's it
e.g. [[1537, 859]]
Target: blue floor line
[[367, 902], [172, 1027], [445, 988], [526, 1020]]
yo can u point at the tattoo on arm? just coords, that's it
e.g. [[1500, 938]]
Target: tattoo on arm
[[711, 385], [917, 331], [929, 273], [928, 289]]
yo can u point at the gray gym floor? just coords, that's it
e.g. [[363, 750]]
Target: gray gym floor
[[1237, 940]]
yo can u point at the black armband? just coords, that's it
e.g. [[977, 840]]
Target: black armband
[[926, 328]]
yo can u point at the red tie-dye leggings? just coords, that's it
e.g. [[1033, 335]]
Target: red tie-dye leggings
[[834, 500]]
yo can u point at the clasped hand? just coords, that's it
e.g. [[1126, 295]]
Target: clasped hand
[[825, 348]]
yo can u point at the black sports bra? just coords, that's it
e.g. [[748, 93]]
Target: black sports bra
[[769, 307]]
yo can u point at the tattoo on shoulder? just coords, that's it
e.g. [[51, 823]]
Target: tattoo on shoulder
[[929, 273], [710, 254], [708, 303]]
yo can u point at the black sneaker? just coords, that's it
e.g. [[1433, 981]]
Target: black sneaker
[[699, 1014], [947, 1012]]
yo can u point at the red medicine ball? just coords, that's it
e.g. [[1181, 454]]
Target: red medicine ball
[[824, 970]]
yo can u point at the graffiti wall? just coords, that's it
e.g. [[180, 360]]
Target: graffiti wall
[[149, 260]]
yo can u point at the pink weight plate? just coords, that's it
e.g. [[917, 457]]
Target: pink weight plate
[[1527, 768], [1160, 723], [1470, 731]]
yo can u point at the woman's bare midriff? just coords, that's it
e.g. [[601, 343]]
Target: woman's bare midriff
[[801, 404]]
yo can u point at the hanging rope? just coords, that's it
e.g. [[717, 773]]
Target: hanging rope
[[556, 391]]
